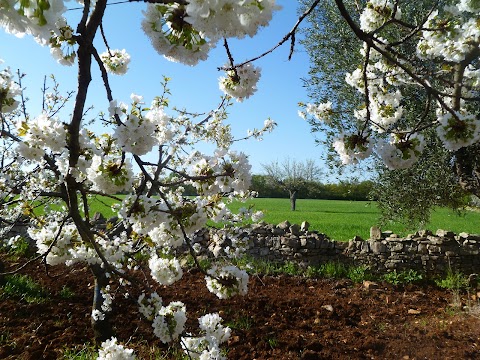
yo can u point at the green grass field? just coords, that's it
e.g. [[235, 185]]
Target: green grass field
[[340, 220]]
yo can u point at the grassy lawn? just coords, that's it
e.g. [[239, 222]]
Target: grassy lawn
[[340, 220]]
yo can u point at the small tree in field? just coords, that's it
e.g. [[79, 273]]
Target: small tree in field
[[292, 176]]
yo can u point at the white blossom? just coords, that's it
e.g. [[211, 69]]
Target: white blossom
[[172, 37], [376, 13], [352, 148], [116, 61], [240, 83], [111, 350], [401, 152], [169, 322], [110, 175], [165, 271], [227, 281]]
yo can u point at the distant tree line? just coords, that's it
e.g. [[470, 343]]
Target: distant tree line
[[315, 189], [343, 190]]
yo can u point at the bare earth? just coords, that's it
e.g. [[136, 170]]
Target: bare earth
[[280, 318]]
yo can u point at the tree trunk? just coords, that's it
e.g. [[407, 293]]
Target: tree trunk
[[293, 200], [467, 166], [102, 329]]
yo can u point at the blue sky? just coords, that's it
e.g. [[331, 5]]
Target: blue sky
[[194, 88]]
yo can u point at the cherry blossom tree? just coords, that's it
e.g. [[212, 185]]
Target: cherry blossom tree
[[61, 164]]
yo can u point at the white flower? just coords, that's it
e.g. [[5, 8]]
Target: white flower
[[9, 90], [215, 332], [109, 175], [207, 346], [110, 350], [257, 216], [63, 57], [40, 134], [471, 6], [170, 321], [229, 18], [136, 135], [136, 99], [240, 83], [149, 307], [117, 109], [460, 131], [322, 111], [173, 37], [401, 152], [165, 271], [116, 61], [227, 281], [376, 13], [352, 148]]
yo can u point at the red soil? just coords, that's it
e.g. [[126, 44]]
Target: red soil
[[280, 318]]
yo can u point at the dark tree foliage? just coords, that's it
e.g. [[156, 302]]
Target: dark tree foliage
[[410, 195], [359, 191]]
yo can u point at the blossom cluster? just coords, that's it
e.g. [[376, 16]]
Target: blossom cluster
[[321, 111], [106, 307], [110, 175], [37, 18], [240, 83], [9, 89], [376, 13], [401, 152], [111, 350], [186, 32], [268, 126], [165, 271], [452, 35], [233, 169], [207, 346], [61, 243], [352, 148], [41, 134], [116, 61], [227, 281], [169, 321]]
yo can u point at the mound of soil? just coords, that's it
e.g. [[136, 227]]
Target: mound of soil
[[280, 318]]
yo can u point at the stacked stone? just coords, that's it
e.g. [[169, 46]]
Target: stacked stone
[[423, 251]]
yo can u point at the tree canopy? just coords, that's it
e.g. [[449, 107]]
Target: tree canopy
[[407, 108]]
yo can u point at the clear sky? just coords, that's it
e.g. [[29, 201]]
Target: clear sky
[[194, 88]]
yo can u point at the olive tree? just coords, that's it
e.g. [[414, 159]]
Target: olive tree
[[445, 174]]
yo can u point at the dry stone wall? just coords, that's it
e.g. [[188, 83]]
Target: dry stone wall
[[425, 251]]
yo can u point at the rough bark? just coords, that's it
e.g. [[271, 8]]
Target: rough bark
[[102, 329], [293, 200], [467, 166]]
